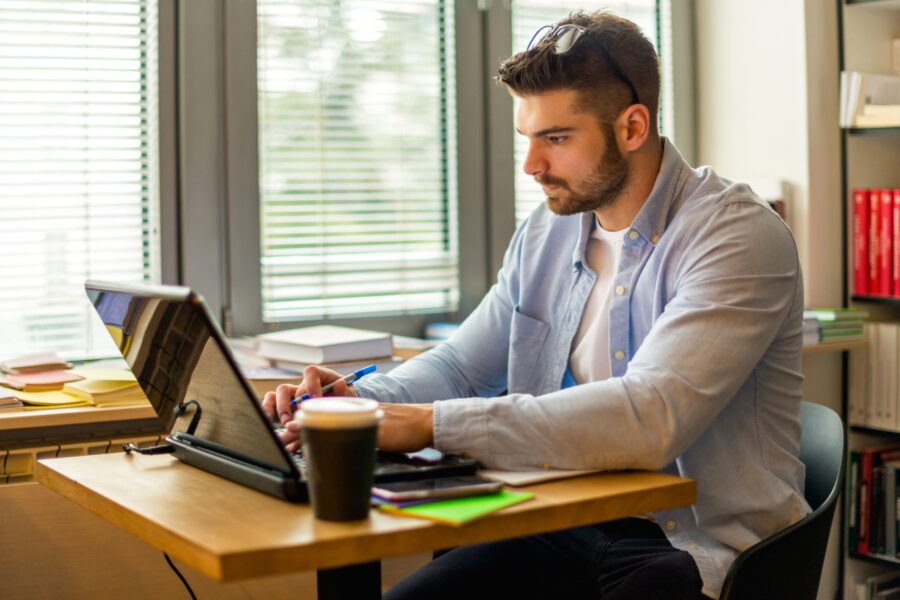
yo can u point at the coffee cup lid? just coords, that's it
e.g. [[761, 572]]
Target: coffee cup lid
[[339, 413]]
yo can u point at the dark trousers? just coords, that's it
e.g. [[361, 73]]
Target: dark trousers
[[630, 559]]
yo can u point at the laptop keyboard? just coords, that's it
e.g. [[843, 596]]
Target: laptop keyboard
[[384, 465]]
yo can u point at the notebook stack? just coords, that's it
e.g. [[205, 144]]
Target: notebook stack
[[45, 381], [824, 325], [459, 508]]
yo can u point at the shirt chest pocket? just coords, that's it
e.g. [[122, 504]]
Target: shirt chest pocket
[[527, 339]]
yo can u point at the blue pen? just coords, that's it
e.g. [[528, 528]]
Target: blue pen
[[347, 378]]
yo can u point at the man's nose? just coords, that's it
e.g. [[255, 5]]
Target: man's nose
[[535, 164]]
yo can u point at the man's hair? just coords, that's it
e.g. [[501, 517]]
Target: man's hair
[[585, 67]]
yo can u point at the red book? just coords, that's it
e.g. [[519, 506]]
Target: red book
[[874, 230], [886, 243], [861, 240], [896, 255]]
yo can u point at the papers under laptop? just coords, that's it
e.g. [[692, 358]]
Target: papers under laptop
[[210, 413]]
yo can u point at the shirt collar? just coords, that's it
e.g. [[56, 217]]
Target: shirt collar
[[652, 218]]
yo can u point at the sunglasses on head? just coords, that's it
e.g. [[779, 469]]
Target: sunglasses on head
[[563, 37]]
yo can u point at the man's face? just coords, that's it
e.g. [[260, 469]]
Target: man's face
[[572, 156]]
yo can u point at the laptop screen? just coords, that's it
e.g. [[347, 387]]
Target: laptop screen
[[177, 355]]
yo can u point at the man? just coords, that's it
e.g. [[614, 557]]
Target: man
[[648, 317]]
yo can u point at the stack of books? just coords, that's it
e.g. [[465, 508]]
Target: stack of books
[[343, 349], [449, 500], [872, 496], [869, 100], [824, 325], [8, 400], [36, 381], [874, 385], [876, 242], [884, 586], [45, 381]]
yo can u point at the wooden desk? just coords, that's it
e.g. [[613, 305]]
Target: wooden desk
[[229, 532]]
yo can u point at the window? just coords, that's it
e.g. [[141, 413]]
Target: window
[[356, 158], [78, 193], [527, 17]]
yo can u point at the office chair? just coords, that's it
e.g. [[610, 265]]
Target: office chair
[[788, 564]]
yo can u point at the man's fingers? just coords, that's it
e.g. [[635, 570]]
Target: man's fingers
[[284, 393], [268, 404], [313, 379]]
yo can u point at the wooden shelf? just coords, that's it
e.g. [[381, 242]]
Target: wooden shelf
[[885, 4], [870, 429], [834, 347], [25, 419], [876, 558], [873, 130], [885, 300]]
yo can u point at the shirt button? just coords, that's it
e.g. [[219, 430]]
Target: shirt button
[[620, 289], [619, 355], [670, 525], [655, 239], [692, 546], [633, 235]]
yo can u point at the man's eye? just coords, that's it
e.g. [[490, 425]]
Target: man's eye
[[556, 139]]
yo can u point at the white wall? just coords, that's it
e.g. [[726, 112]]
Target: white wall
[[767, 98]]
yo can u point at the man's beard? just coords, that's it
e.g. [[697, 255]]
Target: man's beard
[[601, 189]]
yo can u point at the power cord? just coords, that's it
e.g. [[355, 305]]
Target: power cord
[[187, 586]]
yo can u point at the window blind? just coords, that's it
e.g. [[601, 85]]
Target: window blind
[[527, 17], [357, 158], [77, 191]]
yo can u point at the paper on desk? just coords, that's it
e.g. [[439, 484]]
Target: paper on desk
[[53, 399], [104, 373], [519, 478]]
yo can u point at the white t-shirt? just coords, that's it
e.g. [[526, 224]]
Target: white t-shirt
[[589, 360]]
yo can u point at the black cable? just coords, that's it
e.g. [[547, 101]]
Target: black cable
[[187, 586]]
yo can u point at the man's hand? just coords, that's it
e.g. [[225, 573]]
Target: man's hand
[[279, 402], [406, 427]]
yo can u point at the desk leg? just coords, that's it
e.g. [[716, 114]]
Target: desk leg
[[362, 582]]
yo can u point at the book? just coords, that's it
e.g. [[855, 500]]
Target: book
[[861, 241], [105, 392], [886, 242], [835, 314], [382, 365], [853, 488], [33, 363], [8, 400], [874, 240], [895, 245], [460, 511], [324, 344], [42, 381], [519, 478], [48, 400]]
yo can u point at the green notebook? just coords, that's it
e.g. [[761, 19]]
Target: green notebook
[[461, 510]]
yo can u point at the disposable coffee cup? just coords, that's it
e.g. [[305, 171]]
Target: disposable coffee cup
[[339, 447]]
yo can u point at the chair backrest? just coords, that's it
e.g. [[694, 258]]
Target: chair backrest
[[788, 564]]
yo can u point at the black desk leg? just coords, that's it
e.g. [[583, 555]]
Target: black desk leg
[[356, 582]]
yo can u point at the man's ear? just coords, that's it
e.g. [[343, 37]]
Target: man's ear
[[633, 127]]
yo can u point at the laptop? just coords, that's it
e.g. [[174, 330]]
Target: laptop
[[210, 413]]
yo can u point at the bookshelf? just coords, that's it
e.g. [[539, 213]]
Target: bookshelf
[[869, 159]]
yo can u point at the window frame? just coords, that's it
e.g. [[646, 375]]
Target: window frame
[[215, 205]]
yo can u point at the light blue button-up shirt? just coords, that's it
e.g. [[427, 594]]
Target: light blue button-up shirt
[[705, 348]]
